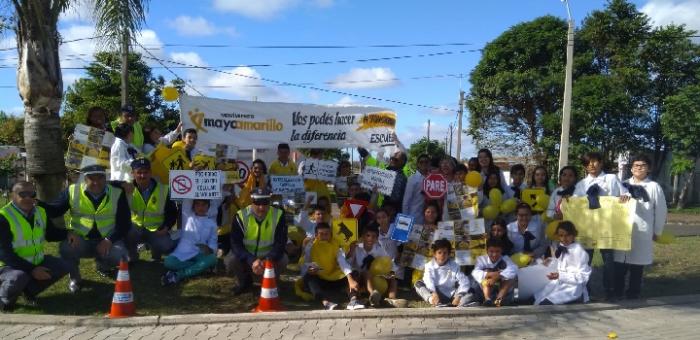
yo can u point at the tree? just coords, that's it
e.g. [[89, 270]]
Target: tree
[[518, 81], [424, 146], [40, 83], [680, 123], [11, 129], [100, 87]]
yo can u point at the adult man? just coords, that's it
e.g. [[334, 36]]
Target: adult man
[[396, 164], [129, 116], [413, 199], [283, 166], [152, 213], [259, 233], [24, 268], [100, 219]]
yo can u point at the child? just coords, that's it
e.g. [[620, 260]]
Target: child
[[597, 183], [517, 180], [431, 215], [496, 275], [325, 268], [443, 283], [499, 230], [527, 235], [567, 183], [568, 283], [473, 164], [360, 258], [648, 225], [196, 250], [383, 224], [540, 179], [308, 220]]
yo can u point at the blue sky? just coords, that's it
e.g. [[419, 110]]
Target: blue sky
[[358, 23]]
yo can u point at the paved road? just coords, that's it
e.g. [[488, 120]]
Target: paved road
[[651, 322]]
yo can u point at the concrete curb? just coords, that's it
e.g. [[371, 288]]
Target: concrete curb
[[93, 321]]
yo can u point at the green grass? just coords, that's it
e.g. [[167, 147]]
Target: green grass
[[674, 272], [693, 209]]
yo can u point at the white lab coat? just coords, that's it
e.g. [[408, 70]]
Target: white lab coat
[[448, 279], [360, 253], [120, 161], [483, 263], [574, 273], [609, 185], [649, 220]]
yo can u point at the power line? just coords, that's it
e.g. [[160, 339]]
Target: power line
[[171, 71], [312, 46]]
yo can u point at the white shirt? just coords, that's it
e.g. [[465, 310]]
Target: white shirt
[[360, 254], [120, 161], [413, 199], [197, 230], [609, 185], [483, 263], [166, 140], [448, 279], [554, 202], [538, 245], [574, 273]]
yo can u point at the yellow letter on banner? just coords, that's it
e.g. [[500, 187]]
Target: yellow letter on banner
[[609, 227]]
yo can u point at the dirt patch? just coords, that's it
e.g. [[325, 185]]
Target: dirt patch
[[683, 218]]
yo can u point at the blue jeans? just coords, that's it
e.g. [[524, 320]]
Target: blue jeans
[[191, 267]]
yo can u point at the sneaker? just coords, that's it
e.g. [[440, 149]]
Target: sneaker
[[488, 303], [353, 304], [6, 307], [31, 301], [375, 298], [169, 278], [397, 303], [330, 305], [74, 286], [107, 274], [472, 304]]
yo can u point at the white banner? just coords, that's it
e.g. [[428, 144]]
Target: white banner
[[282, 185], [195, 184], [251, 125], [321, 170], [382, 179]]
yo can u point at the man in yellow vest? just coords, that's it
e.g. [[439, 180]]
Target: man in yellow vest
[[24, 228], [152, 213], [283, 166], [326, 268], [129, 116], [259, 233], [100, 219]]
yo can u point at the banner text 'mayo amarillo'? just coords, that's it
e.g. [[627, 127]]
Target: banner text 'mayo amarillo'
[[248, 124]]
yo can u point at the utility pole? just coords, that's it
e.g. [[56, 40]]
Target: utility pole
[[451, 130], [428, 130], [566, 110], [459, 125], [125, 67], [445, 144]]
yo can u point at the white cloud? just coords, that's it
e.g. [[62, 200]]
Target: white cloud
[[79, 11], [346, 100], [665, 12], [197, 26], [363, 78], [266, 9], [244, 83], [74, 54]]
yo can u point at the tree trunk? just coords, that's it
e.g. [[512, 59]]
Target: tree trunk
[[40, 86], [685, 192], [674, 192]]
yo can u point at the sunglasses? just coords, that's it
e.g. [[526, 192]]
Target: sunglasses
[[27, 194]]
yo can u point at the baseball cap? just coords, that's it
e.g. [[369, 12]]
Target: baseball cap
[[140, 163], [93, 170]]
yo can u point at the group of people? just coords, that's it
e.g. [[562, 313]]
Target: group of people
[[112, 220]]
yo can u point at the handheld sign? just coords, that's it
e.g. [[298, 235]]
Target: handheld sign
[[382, 179], [195, 184], [435, 186], [285, 185], [402, 227], [344, 231], [320, 170]]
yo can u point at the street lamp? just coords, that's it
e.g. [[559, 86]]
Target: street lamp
[[566, 111]]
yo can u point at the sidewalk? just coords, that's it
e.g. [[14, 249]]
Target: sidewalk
[[665, 317]]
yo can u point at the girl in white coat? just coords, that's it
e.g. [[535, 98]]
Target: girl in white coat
[[568, 283], [648, 225]]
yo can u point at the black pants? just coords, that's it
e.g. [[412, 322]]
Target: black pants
[[608, 269], [635, 280], [319, 287], [14, 282]]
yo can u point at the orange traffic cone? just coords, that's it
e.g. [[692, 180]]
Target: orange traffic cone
[[269, 300], [123, 300]]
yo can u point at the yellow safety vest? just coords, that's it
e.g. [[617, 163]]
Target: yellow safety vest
[[259, 238], [325, 254], [27, 241], [84, 215], [151, 214]]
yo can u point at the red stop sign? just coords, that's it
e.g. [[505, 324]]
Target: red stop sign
[[435, 186]]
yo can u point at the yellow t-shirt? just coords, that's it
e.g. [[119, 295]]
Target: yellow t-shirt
[[277, 169]]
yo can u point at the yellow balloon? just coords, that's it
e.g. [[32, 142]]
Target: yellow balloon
[[665, 238], [380, 266], [296, 234], [300, 292], [508, 206], [551, 230], [541, 203], [417, 275], [490, 212], [521, 260], [473, 179], [379, 283], [495, 197], [170, 94]]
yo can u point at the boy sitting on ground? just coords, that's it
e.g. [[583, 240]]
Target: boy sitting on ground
[[496, 274], [360, 258], [443, 283]]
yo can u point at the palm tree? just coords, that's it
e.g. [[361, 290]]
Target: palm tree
[[39, 78]]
